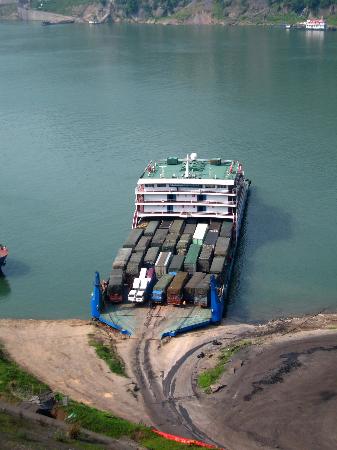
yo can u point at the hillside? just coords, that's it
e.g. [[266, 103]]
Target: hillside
[[226, 12]]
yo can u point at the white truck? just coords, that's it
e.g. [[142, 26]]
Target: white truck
[[141, 286], [133, 292]]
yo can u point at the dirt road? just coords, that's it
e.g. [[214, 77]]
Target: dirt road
[[286, 383], [283, 394]]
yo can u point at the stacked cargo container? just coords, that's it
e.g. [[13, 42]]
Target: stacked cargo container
[[116, 286], [151, 228], [176, 264], [190, 263], [169, 244], [176, 248], [189, 290], [190, 228], [151, 256], [162, 263], [199, 234], [222, 246], [175, 289], [133, 238], [226, 229], [143, 244], [159, 237], [202, 290], [218, 264], [183, 244], [122, 258], [160, 288], [205, 258], [177, 227], [134, 265]]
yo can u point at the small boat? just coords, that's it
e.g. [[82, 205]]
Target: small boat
[[94, 21], [287, 26], [58, 22], [3, 255]]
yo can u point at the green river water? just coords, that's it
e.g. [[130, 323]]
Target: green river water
[[83, 109]]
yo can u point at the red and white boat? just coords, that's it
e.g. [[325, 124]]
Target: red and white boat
[[3, 255], [315, 24]]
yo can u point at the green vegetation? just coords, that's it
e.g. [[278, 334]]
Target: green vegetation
[[22, 433], [298, 6], [104, 423], [183, 15], [8, 10], [65, 7], [280, 18], [210, 376], [218, 9], [15, 384], [332, 20], [109, 355]]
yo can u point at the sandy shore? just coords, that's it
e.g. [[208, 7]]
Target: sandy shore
[[249, 411], [58, 353]]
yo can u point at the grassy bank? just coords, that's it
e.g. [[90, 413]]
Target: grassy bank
[[24, 434], [211, 376], [17, 385], [66, 7], [109, 354]]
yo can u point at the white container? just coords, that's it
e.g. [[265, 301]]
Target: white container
[[199, 234]]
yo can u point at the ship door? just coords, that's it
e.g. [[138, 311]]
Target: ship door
[[171, 197]]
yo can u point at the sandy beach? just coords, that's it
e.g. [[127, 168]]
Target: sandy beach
[[278, 393]]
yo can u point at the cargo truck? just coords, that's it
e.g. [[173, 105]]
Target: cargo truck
[[175, 290], [160, 288]]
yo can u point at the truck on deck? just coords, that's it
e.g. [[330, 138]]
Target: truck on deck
[[160, 288], [175, 290]]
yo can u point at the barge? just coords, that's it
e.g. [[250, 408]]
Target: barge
[[180, 252]]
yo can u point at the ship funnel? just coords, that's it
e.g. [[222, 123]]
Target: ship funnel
[[187, 167], [193, 156]]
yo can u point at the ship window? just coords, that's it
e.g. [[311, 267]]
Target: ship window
[[161, 185]]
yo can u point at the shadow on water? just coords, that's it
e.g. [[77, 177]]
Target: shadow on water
[[5, 288], [16, 268], [262, 224]]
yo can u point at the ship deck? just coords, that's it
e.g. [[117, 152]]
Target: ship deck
[[171, 320], [200, 169]]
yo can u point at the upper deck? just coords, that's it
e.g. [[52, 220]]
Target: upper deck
[[176, 170]]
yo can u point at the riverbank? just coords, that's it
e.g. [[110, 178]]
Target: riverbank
[[162, 376], [202, 12]]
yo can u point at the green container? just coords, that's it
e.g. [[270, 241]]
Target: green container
[[192, 254]]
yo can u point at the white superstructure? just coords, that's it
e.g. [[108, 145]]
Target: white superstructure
[[315, 24], [191, 187]]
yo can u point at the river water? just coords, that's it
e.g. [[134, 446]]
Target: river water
[[83, 109]]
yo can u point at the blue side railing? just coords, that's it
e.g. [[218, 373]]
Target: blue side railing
[[217, 306]]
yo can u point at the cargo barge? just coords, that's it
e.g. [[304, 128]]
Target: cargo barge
[[180, 252]]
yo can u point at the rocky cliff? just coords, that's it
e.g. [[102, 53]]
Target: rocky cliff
[[226, 12]]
